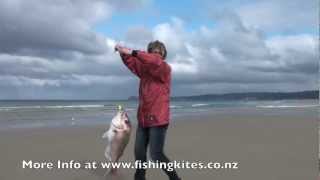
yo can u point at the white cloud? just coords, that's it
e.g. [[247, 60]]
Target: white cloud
[[88, 80], [302, 42], [54, 52], [172, 34], [18, 81], [274, 15], [234, 55]]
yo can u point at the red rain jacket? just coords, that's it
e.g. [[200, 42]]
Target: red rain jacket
[[154, 90]]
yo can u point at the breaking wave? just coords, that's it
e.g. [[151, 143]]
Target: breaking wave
[[289, 106], [52, 107], [199, 105]]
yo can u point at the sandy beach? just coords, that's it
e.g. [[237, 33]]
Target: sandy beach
[[267, 147]]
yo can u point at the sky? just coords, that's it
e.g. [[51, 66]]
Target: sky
[[64, 49]]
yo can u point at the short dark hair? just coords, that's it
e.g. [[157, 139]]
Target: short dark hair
[[158, 45]]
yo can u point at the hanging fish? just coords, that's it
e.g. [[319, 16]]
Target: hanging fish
[[117, 136]]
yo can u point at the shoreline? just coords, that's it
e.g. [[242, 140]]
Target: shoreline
[[221, 112]]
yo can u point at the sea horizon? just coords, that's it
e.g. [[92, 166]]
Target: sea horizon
[[58, 113]]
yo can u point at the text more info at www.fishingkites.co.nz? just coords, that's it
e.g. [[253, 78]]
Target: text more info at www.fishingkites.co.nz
[[73, 164]]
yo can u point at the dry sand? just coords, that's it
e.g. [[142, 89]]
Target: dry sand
[[266, 148]]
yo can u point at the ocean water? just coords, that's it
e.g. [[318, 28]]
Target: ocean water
[[56, 113]]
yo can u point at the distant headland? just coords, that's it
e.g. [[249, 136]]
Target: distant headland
[[314, 94]]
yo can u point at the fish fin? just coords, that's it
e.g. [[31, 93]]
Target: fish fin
[[107, 153], [105, 134]]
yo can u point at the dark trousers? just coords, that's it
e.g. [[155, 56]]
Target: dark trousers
[[155, 138]]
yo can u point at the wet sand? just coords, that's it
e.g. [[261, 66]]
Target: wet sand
[[267, 147]]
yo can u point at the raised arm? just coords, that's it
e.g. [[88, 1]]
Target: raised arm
[[138, 61], [132, 63]]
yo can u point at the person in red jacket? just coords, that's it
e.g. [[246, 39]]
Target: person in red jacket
[[154, 98]]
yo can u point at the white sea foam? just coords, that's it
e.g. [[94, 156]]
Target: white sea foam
[[289, 106], [199, 105], [49, 107], [175, 106]]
